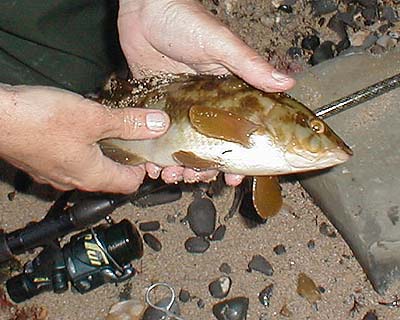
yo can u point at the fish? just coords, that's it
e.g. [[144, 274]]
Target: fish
[[223, 123]]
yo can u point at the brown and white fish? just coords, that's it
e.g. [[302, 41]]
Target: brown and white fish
[[226, 124]]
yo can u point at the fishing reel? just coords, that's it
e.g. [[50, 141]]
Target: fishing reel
[[92, 258]]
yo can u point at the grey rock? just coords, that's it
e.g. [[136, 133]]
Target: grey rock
[[231, 309], [311, 244], [389, 14], [201, 304], [266, 294], [219, 288], [225, 268], [279, 249], [152, 242], [260, 264], [202, 216], [321, 7], [327, 230], [149, 226], [219, 233], [357, 196], [184, 296], [197, 245], [153, 314], [370, 315]]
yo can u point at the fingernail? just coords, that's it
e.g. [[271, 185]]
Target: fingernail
[[156, 121], [280, 77]]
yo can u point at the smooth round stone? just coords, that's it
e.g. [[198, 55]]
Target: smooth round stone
[[225, 268], [152, 242], [154, 314], [202, 216], [219, 233], [321, 7], [231, 309], [265, 295], [220, 287], [294, 52], [279, 249], [324, 52], [260, 264], [197, 245], [184, 295], [149, 226], [310, 42]]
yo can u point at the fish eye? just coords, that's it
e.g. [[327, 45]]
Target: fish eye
[[317, 126]]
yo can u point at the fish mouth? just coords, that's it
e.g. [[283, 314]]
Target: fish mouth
[[312, 161]]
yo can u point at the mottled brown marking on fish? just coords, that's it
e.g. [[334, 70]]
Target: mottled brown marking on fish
[[119, 155], [221, 124], [267, 198], [191, 160]]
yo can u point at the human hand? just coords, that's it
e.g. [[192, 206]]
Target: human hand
[[180, 36], [52, 135]]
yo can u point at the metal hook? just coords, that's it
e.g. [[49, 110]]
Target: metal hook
[[167, 308]]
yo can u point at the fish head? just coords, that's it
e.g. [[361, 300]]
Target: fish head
[[306, 141]]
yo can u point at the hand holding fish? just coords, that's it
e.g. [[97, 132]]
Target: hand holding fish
[[181, 36], [52, 133]]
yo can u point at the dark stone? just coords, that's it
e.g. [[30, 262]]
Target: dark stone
[[202, 216], [231, 309], [338, 26], [265, 295], [154, 314], [369, 41], [285, 8], [370, 315], [280, 249], [225, 268], [219, 233], [324, 52], [184, 296], [149, 226], [327, 230], [310, 42], [294, 52], [311, 244], [201, 304], [389, 14], [368, 3], [321, 7], [369, 14], [152, 241], [260, 264], [197, 245], [11, 195], [347, 18], [219, 288], [343, 45]]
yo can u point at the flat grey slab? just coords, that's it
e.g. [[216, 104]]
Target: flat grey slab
[[361, 197]]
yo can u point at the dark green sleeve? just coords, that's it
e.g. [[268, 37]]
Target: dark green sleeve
[[71, 44]]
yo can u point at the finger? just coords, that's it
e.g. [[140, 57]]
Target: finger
[[192, 176], [153, 170], [243, 61], [132, 123], [172, 174], [233, 180]]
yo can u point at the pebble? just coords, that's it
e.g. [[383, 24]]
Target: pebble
[[389, 14], [231, 309], [126, 310], [201, 304], [386, 42], [184, 296], [337, 25], [219, 233], [197, 245], [294, 52], [370, 315], [324, 52], [327, 230], [285, 8], [321, 7], [149, 226], [369, 15], [369, 41], [225, 268], [219, 288], [202, 216], [265, 295], [307, 289], [311, 244], [368, 3], [11, 195], [152, 242], [153, 314], [310, 42], [279, 249], [260, 264], [343, 45]]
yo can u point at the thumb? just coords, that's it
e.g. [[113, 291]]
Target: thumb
[[134, 123]]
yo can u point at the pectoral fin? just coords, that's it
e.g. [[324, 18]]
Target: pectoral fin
[[120, 155], [267, 198], [191, 160], [222, 124]]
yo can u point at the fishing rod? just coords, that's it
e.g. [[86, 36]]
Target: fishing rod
[[358, 97]]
